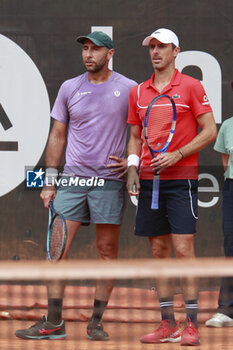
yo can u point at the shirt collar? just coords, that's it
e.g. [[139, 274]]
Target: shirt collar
[[174, 81]]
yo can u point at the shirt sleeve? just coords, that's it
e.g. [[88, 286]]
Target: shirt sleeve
[[220, 142], [60, 107], [133, 116], [198, 99]]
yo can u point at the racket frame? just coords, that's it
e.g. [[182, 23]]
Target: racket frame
[[164, 148], [52, 215]]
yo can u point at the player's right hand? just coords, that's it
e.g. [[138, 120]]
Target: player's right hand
[[133, 184], [48, 193]]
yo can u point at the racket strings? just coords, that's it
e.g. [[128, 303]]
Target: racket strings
[[159, 125], [57, 237]]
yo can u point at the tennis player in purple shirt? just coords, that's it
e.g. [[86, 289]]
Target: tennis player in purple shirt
[[90, 125]]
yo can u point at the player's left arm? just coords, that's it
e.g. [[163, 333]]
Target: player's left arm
[[207, 134], [225, 158], [205, 121]]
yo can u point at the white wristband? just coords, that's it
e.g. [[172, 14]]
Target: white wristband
[[51, 175], [133, 159]]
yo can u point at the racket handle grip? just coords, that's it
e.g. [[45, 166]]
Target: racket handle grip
[[155, 193], [51, 204]]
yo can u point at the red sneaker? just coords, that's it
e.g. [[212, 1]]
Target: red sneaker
[[165, 333], [190, 335]]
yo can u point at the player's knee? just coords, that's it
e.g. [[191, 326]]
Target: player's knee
[[184, 251], [107, 250], [161, 248], [161, 252]]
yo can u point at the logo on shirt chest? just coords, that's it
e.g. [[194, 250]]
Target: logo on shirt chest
[[176, 96], [83, 93], [117, 93]]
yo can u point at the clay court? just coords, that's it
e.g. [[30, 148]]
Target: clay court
[[131, 313], [124, 336]]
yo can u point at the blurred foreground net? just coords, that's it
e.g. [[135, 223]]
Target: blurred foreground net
[[133, 309]]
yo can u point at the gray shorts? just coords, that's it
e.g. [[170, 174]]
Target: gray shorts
[[91, 203]]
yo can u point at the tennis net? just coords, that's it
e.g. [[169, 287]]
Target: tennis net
[[133, 309]]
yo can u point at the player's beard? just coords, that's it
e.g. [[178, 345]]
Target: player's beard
[[97, 66]]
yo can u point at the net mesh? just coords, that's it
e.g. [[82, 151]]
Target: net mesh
[[133, 309]]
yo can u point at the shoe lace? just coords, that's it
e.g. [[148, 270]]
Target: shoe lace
[[164, 323], [190, 326], [39, 322], [96, 325], [219, 316]]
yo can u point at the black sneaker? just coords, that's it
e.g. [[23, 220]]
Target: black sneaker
[[95, 331], [43, 329]]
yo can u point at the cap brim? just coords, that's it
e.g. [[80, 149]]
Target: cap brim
[[147, 40], [81, 39]]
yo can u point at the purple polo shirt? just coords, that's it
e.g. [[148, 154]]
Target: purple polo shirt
[[96, 115]]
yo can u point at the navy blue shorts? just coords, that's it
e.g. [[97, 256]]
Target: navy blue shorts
[[177, 211]]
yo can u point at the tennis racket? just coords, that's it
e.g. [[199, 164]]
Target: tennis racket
[[56, 235], [159, 128]]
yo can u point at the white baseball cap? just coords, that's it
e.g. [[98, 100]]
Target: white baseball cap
[[165, 36]]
